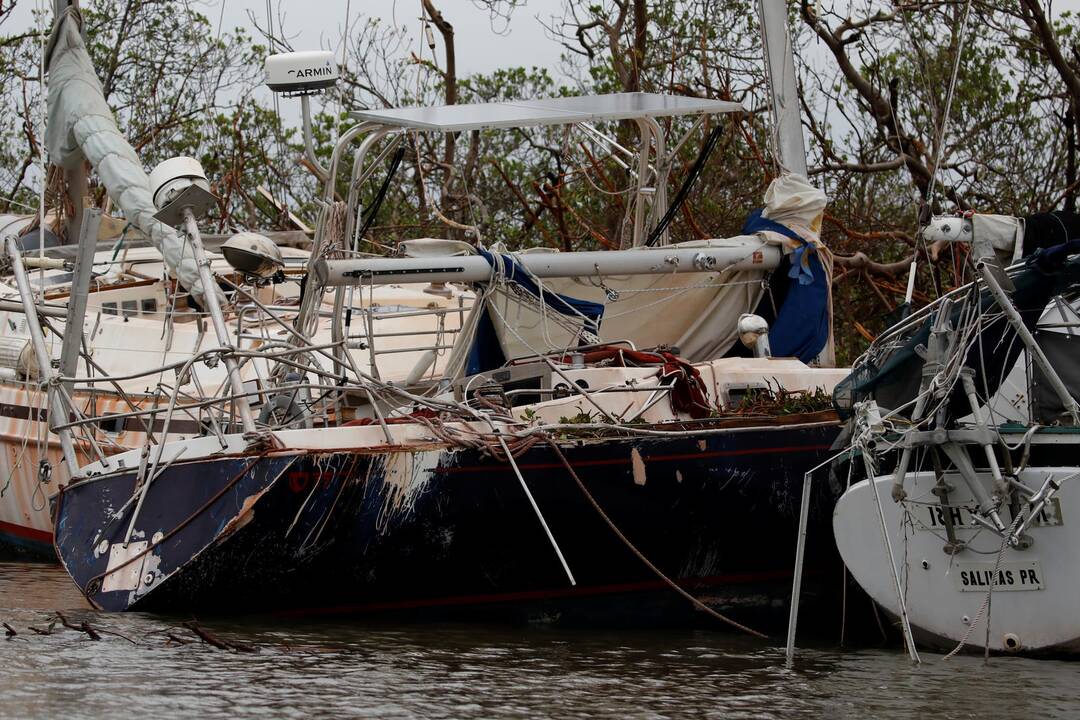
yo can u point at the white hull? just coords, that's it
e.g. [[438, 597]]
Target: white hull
[[1033, 606]]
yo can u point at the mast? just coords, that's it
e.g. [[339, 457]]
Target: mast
[[75, 177], [784, 92]]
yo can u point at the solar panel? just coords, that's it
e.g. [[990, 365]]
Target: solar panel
[[550, 111]]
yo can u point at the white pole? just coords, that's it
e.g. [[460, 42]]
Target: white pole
[[740, 253], [1037, 354], [213, 308], [58, 412], [905, 623], [800, 552], [535, 507]]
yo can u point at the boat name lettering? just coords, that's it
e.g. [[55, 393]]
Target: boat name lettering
[[1014, 576], [934, 516]]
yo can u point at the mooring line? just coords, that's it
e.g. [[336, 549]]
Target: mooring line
[[626, 541]]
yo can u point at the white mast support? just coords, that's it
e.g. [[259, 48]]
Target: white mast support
[[213, 307], [58, 414], [80, 288], [1037, 355], [780, 66], [745, 252]]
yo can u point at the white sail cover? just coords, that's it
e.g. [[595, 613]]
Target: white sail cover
[[81, 124]]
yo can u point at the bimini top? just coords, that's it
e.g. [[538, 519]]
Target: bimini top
[[549, 111]]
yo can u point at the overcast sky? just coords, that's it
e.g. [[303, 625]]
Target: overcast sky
[[309, 23]]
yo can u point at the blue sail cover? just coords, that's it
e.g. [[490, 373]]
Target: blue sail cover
[[486, 353], [801, 328]]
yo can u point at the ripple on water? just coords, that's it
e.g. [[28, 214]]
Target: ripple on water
[[469, 671]]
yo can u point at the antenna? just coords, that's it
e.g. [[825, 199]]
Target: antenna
[[303, 74]]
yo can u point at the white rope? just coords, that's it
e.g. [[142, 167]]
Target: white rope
[[985, 606]]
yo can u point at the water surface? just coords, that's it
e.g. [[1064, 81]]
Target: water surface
[[370, 669]]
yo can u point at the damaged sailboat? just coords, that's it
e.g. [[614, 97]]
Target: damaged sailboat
[[558, 435], [965, 431]]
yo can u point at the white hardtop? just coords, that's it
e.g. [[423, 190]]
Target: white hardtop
[[548, 111]]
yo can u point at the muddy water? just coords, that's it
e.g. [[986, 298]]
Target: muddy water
[[365, 669]]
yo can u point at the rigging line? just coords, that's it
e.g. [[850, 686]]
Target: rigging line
[[684, 190], [279, 141], [948, 101], [270, 27], [637, 553], [923, 75], [220, 21], [42, 111], [919, 239]]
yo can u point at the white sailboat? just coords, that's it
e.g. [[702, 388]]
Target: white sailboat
[[965, 431]]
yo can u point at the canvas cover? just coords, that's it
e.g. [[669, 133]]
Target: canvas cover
[[81, 125], [696, 312]]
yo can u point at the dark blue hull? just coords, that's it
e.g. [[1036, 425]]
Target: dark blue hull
[[358, 531], [22, 543]]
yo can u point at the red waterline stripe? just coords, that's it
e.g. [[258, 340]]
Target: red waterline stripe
[[26, 533], [493, 598], [650, 458]]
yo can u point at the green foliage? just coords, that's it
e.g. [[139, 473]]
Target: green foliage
[[179, 86]]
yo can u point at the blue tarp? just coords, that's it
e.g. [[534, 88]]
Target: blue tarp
[[801, 328], [486, 353]]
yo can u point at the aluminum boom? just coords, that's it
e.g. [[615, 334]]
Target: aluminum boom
[[741, 253]]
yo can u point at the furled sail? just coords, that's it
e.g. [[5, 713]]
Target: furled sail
[[81, 125]]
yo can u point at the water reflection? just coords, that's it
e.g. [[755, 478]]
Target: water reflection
[[368, 669]]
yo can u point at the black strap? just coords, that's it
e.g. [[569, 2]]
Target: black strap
[[372, 211], [684, 191]]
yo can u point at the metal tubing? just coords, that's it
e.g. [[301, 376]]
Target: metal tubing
[[742, 253], [967, 379], [535, 507], [210, 297], [57, 411], [660, 180], [800, 553], [309, 140], [1032, 346], [959, 456], [312, 297], [909, 638], [80, 287], [638, 234], [55, 311]]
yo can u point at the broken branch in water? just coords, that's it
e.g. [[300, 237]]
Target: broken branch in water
[[217, 642], [84, 627], [174, 638], [9, 631]]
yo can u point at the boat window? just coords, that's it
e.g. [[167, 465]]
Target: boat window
[[111, 424], [108, 308], [130, 308], [149, 305]]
